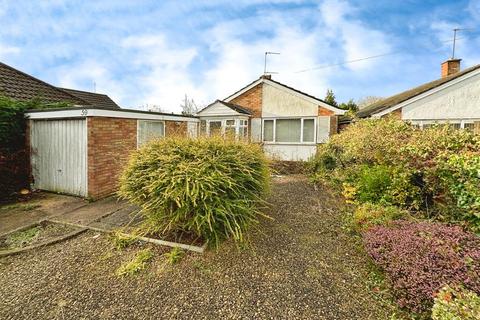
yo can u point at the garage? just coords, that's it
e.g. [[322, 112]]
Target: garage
[[59, 155], [82, 151]]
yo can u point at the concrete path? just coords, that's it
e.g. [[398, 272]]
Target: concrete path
[[58, 207]]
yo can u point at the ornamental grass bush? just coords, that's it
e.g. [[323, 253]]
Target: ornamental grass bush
[[435, 171], [212, 188], [419, 258], [456, 303]]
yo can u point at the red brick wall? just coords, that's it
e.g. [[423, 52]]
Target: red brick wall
[[175, 128], [333, 125], [251, 100], [110, 141], [324, 112]]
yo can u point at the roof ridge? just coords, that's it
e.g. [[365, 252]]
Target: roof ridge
[[90, 92]]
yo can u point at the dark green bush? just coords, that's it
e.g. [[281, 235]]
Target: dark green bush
[[14, 155], [210, 186]]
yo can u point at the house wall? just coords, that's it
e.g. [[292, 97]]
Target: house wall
[[252, 100], [176, 128], [290, 152], [458, 101], [110, 142], [280, 103]]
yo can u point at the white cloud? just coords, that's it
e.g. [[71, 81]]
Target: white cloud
[[165, 71], [6, 50]]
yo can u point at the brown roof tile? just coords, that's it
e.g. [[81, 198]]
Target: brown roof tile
[[95, 99], [18, 85]]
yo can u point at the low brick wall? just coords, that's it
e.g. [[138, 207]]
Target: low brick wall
[[110, 142]]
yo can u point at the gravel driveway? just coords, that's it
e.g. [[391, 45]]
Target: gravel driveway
[[301, 265]]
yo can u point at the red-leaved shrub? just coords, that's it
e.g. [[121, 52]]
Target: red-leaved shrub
[[419, 258]]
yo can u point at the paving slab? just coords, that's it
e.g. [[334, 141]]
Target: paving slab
[[42, 205], [92, 212]]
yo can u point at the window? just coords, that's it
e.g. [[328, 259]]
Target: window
[[230, 128], [203, 127], [470, 126], [289, 130], [215, 128], [243, 129], [455, 126], [148, 130], [308, 130], [268, 130]]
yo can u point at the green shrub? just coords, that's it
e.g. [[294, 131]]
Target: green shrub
[[211, 187], [456, 304], [460, 175], [368, 214], [391, 162], [14, 154]]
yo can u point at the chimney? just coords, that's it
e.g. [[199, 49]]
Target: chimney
[[451, 66], [266, 76]]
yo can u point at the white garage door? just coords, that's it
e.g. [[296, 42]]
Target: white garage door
[[59, 156]]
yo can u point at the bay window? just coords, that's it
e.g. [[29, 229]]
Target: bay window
[[298, 130], [237, 128]]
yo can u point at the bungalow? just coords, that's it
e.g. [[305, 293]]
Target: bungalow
[[289, 123], [81, 150], [453, 99]]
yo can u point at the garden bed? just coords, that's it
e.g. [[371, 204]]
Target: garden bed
[[35, 235]]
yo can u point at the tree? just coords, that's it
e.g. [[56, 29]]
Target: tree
[[189, 107], [350, 106], [368, 100], [330, 98]]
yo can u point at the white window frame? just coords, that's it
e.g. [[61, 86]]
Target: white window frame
[[302, 119], [241, 123], [138, 128], [422, 123], [223, 122]]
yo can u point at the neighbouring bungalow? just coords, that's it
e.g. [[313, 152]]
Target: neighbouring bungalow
[[289, 123], [82, 149], [453, 99]]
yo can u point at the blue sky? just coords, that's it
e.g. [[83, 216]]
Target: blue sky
[[155, 52]]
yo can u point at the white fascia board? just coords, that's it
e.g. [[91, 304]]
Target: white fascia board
[[82, 113], [426, 94]]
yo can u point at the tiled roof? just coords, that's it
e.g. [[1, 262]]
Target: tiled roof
[[95, 99], [403, 96], [21, 86], [235, 107]]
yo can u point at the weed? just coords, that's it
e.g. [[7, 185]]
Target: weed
[[21, 207], [22, 238], [121, 241], [136, 264], [175, 255]]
